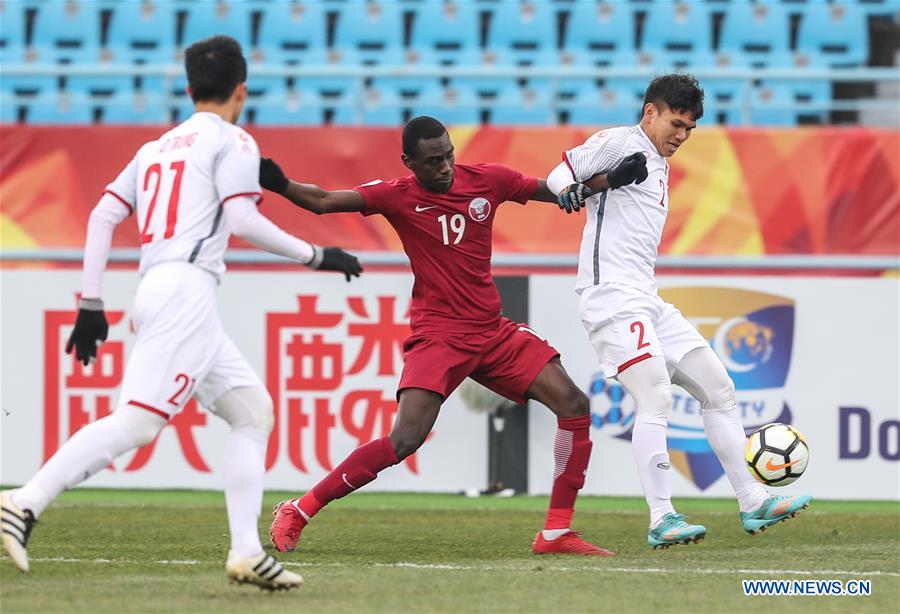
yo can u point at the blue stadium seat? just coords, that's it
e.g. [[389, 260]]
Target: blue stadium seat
[[205, 19], [369, 33], [9, 110], [879, 8], [677, 34], [131, 108], [299, 107], [452, 105], [522, 106], [523, 34], [446, 33], [142, 32], [585, 103], [725, 101], [756, 35], [59, 110], [600, 34], [293, 33], [773, 104], [67, 32], [29, 86], [833, 35], [12, 32]]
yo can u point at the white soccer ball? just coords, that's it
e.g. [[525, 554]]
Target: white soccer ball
[[777, 454]]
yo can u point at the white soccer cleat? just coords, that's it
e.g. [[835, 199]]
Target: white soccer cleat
[[262, 570], [17, 525]]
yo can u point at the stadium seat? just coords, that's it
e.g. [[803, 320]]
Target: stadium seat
[[446, 33], [876, 8], [67, 32], [299, 107], [523, 34], [368, 36], [131, 108], [205, 19], [772, 105], [600, 34], [834, 35], [59, 110], [293, 33], [725, 101], [12, 31], [522, 106], [755, 35], [29, 86], [677, 34], [583, 102], [142, 32], [452, 105]]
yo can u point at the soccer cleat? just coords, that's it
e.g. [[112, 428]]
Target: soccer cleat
[[262, 571], [567, 543], [17, 525], [777, 508], [673, 530], [289, 522]]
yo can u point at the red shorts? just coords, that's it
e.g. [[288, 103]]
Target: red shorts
[[506, 360]]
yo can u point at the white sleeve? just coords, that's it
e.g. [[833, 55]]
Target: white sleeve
[[124, 187], [237, 166], [598, 155], [244, 219], [560, 178], [108, 214]]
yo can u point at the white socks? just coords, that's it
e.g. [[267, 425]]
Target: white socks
[[648, 442], [727, 439], [244, 471], [88, 451]]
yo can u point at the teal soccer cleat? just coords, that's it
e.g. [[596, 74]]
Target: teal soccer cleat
[[674, 530], [777, 508]]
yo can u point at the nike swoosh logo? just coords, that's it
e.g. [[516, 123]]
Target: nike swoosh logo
[[776, 466], [344, 477], [420, 208]]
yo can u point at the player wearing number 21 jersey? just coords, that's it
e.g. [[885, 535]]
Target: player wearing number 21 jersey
[[621, 177], [188, 191], [443, 214]]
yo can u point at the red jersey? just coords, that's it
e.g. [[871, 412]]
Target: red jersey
[[448, 240]]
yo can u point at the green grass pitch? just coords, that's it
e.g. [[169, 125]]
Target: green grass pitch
[[164, 551]]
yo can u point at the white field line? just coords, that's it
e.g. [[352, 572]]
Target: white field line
[[525, 567]]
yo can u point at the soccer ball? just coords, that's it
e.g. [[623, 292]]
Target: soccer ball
[[777, 454]]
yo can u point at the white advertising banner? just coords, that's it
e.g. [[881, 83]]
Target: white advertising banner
[[328, 351], [819, 353]]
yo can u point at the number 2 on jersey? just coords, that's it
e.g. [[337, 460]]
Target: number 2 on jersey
[[637, 324], [457, 225], [172, 211]]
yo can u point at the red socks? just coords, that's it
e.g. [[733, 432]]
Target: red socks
[[354, 472], [572, 451]]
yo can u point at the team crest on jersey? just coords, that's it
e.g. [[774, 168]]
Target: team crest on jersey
[[479, 209]]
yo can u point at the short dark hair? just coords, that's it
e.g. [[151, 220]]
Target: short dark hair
[[418, 128], [678, 91], [214, 66]]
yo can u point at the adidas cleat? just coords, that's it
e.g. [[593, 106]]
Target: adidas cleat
[[777, 508], [673, 530], [262, 571], [17, 525], [289, 522]]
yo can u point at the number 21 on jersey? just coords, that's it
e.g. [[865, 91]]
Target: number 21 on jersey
[[153, 178]]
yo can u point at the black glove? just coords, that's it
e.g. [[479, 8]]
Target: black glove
[[271, 177], [572, 198], [90, 327], [632, 169], [336, 259]]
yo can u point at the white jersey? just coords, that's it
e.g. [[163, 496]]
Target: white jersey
[[178, 184], [624, 227]]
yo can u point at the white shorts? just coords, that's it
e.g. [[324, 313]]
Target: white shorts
[[182, 349], [627, 325]]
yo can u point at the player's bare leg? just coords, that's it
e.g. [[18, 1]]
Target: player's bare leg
[[416, 414], [572, 450], [648, 383], [703, 375]]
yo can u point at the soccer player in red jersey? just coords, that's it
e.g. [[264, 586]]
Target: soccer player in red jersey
[[444, 214]]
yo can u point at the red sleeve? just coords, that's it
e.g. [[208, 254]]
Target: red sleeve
[[513, 185], [377, 195]]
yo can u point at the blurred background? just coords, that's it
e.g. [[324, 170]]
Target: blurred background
[[782, 242]]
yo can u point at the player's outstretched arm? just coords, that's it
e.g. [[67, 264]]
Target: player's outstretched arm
[[307, 195], [245, 220], [572, 196]]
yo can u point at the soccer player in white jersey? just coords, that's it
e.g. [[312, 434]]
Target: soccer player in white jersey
[[189, 190], [621, 177]]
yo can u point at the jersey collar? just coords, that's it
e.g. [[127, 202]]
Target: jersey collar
[[647, 138]]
